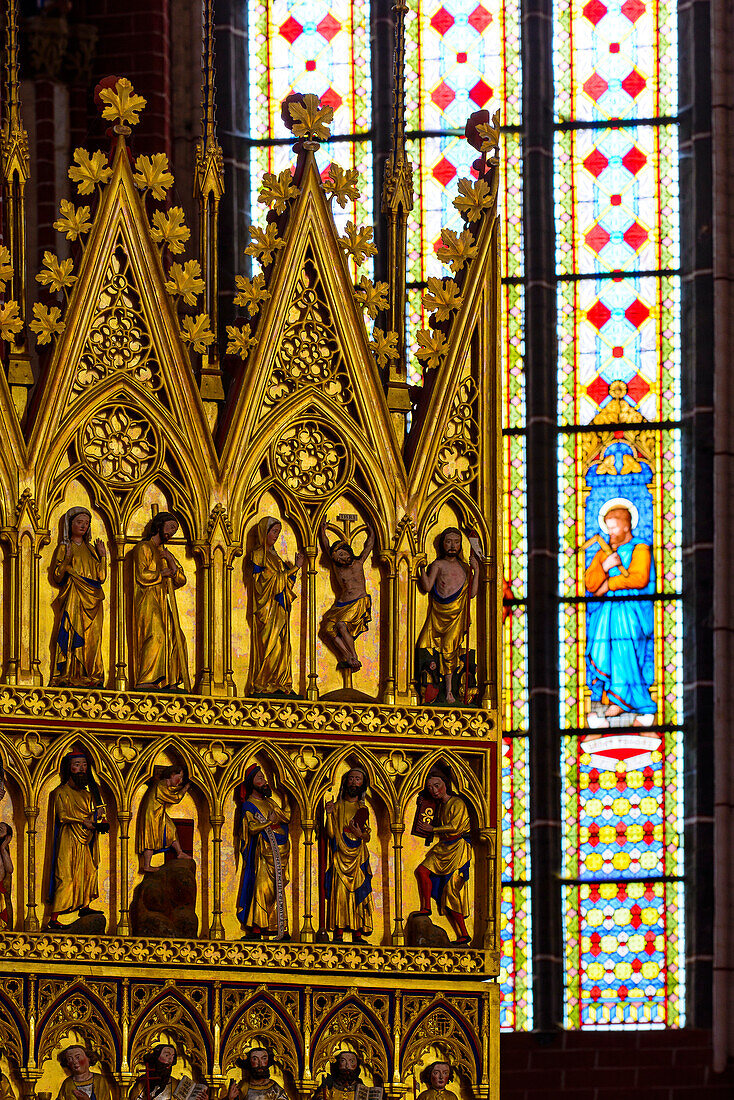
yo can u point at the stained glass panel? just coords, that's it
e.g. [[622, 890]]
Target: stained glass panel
[[462, 56], [619, 350], [320, 46], [615, 59], [515, 987], [617, 199], [624, 954]]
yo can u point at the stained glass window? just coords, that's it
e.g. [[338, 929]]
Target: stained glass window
[[620, 506]]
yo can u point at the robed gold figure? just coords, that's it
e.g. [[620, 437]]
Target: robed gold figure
[[156, 831], [261, 839], [80, 569], [446, 624], [159, 647], [348, 878], [274, 582], [77, 818], [6, 1089]]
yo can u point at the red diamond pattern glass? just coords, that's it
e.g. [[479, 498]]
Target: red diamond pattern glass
[[615, 60]]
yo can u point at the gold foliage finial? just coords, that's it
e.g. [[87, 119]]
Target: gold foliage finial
[[122, 105], [309, 119]]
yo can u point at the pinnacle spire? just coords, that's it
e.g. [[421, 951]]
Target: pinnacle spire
[[208, 189], [16, 173], [397, 202]]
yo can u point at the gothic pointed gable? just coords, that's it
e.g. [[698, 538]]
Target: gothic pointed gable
[[120, 359], [311, 360], [449, 449]]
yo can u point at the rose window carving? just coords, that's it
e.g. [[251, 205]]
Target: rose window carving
[[119, 446], [309, 460]]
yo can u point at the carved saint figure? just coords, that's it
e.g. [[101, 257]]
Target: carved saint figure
[[257, 1084], [261, 838], [6, 1089], [343, 1079], [6, 878], [158, 645], [348, 879], [157, 1082], [620, 647], [446, 579], [352, 610], [444, 873], [78, 816], [81, 1083], [436, 1077], [274, 582], [156, 831], [80, 569]]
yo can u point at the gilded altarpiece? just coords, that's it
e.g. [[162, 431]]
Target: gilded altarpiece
[[255, 605]]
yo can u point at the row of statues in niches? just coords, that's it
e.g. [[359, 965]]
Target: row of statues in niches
[[165, 1072], [261, 850], [445, 660]]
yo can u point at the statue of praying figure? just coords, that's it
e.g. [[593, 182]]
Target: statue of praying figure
[[351, 612], [80, 569], [274, 583], [447, 581], [160, 660]]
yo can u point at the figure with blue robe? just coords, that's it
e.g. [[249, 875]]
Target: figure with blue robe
[[348, 878], [620, 657], [79, 569], [261, 840]]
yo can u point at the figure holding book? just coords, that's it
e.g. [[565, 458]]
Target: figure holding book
[[348, 878], [156, 830], [158, 1082], [436, 1077], [160, 661], [81, 1083], [344, 1080], [452, 585], [443, 875], [257, 1084], [261, 839], [79, 569]]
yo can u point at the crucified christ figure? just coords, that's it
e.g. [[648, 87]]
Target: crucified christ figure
[[352, 610]]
